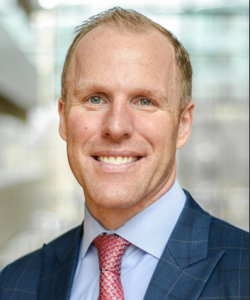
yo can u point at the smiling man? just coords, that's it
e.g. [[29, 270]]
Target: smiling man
[[125, 110], [121, 121]]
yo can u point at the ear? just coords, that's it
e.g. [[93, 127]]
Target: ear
[[62, 124], [185, 124]]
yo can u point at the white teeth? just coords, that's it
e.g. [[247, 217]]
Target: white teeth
[[112, 160], [116, 160], [125, 160], [119, 160]]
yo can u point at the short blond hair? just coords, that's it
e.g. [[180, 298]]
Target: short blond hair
[[136, 23]]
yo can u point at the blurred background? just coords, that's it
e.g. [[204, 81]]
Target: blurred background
[[39, 197]]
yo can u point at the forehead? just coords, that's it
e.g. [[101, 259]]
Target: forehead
[[105, 39], [118, 51]]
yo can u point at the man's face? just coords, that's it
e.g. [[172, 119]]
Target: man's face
[[121, 123]]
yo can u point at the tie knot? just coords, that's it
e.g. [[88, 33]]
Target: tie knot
[[110, 250]]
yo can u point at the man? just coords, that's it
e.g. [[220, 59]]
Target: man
[[125, 110]]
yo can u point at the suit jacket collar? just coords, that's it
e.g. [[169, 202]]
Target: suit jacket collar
[[186, 264], [59, 262], [188, 243]]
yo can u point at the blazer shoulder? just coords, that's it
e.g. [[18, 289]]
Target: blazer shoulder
[[24, 273], [222, 235], [235, 243], [230, 278], [227, 236]]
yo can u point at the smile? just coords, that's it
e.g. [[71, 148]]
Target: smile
[[117, 160]]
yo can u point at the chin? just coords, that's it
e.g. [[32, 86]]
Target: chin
[[115, 198]]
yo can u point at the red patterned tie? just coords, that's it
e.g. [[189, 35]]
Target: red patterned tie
[[110, 249]]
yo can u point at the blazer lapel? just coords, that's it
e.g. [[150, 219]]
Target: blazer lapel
[[58, 266], [185, 265]]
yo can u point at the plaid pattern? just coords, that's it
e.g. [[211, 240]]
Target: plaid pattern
[[45, 274], [205, 259]]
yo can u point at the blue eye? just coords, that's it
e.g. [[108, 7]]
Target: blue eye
[[95, 100], [145, 102]]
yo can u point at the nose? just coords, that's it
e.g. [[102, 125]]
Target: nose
[[118, 123]]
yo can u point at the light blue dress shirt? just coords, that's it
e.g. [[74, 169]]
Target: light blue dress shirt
[[148, 232]]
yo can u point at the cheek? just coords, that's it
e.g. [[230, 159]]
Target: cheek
[[80, 127], [159, 131]]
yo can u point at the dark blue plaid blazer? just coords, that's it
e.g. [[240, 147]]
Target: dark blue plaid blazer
[[205, 259]]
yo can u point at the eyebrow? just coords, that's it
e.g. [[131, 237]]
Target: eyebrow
[[81, 88], [152, 93]]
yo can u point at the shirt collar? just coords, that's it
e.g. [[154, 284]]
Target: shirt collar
[[149, 230]]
